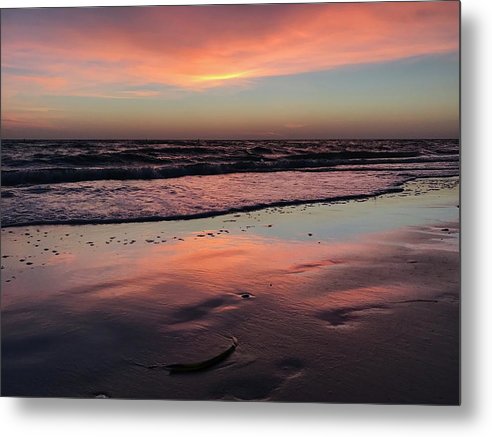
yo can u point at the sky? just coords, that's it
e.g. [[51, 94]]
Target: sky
[[332, 70]]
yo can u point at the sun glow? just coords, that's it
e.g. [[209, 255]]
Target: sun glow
[[227, 76]]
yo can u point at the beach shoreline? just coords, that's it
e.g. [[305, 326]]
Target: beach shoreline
[[354, 301]]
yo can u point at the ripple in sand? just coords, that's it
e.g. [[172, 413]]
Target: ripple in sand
[[290, 367], [301, 268], [344, 316], [249, 388], [418, 301], [200, 310]]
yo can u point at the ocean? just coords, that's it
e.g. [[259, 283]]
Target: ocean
[[101, 181]]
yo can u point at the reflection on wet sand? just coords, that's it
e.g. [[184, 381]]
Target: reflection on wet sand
[[373, 318]]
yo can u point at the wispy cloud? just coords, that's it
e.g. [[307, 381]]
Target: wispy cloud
[[295, 125], [196, 48]]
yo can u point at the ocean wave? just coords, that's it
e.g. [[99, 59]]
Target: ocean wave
[[181, 199], [205, 214], [323, 162]]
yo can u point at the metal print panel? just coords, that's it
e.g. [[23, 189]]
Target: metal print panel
[[235, 202]]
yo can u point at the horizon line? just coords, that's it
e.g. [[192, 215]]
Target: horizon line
[[228, 139]]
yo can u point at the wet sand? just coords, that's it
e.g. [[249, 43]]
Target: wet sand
[[348, 302]]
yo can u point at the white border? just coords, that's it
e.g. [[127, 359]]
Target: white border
[[54, 417]]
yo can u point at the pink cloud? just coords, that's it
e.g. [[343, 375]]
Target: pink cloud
[[84, 51]]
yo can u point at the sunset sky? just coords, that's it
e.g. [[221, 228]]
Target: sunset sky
[[361, 70]]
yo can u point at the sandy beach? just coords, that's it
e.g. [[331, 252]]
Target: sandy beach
[[353, 301]]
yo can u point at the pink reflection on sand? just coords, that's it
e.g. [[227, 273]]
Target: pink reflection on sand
[[201, 278]]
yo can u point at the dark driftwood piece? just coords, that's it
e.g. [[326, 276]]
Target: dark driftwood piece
[[202, 365]]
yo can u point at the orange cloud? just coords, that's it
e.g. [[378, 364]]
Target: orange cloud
[[46, 82], [102, 50]]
